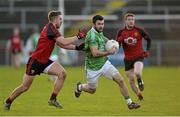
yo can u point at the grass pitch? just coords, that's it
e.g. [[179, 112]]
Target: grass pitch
[[161, 94]]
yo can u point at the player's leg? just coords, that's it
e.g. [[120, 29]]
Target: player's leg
[[124, 91], [112, 73], [90, 86], [17, 60], [53, 57], [27, 81], [13, 59], [86, 87], [131, 77], [122, 86], [58, 70], [138, 68]]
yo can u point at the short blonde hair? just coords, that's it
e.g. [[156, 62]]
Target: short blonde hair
[[129, 14], [52, 14]]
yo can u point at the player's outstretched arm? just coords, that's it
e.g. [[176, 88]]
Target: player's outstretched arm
[[61, 41], [148, 46], [74, 47]]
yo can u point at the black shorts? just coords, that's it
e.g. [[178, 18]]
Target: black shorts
[[129, 64], [15, 51], [34, 67]]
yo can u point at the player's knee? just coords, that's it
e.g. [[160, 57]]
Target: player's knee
[[128, 74], [137, 73], [120, 81], [62, 75], [25, 88]]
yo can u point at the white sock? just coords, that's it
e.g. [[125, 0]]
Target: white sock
[[129, 101], [80, 87]]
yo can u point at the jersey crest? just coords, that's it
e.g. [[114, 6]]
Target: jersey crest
[[135, 34], [130, 41]]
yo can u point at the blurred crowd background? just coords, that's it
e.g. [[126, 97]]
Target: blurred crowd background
[[160, 18]]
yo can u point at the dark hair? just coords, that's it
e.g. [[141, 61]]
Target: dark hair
[[52, 14], [97, 17]]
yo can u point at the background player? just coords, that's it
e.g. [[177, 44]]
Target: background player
[[131, 38], [97, 63], [39, 61], [15, 46]]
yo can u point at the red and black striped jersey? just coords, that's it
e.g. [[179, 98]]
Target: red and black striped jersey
[[131, 41], [46, 43], [16, 42]]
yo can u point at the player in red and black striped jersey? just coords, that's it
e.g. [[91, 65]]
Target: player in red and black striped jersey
[[15, 46], [39, 61], [131, 38]]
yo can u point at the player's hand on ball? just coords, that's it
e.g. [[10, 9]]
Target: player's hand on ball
[[112, 50], [145, 54], [112, 44], [82, 33]]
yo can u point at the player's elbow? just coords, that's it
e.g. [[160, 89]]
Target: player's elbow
[[64, 43]]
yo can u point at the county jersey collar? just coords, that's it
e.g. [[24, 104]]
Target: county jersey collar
[[130, 29], [96, 30]]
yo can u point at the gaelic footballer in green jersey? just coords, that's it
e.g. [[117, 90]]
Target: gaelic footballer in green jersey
[[97, 63]]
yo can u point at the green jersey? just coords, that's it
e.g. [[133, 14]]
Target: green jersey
[[94, 38], [35, 38], [55, 50]]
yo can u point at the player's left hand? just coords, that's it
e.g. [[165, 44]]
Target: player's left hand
[[82, 33], [112, 50], [145, 54], [80, 47]]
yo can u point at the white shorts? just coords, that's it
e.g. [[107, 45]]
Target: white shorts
[[108, 70], [54, 57], [48, 67]]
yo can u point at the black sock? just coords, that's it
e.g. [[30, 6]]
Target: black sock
[[139, 80], [53, 96], [127, 97], [9, 101]]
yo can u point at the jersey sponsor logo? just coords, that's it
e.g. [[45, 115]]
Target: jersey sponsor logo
[[130, 41]]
